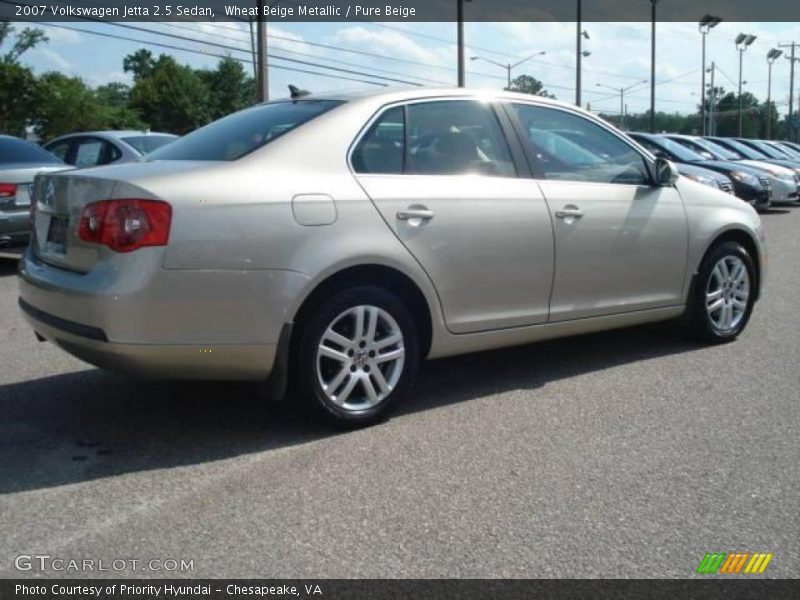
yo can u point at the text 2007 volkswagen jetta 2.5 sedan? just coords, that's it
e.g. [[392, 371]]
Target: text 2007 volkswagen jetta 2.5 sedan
[[334, 242]]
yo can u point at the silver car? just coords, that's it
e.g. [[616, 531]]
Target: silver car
[[331, 243], [20, 162], [94, 148]]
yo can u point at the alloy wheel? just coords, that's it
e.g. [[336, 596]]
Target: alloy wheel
[[360, 358], [727, 293]]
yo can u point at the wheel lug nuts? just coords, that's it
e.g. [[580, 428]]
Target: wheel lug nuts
[[372, 353], [362, 343], [352, 368], [366, 369]]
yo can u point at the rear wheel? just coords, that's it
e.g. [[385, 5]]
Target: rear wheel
[[356, 355], [723, 294]]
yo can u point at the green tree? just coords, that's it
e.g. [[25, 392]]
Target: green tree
[[18, 85], [230, 88], [140, 64], [728, 115], [526, 84], [66, 104], [170, 97]]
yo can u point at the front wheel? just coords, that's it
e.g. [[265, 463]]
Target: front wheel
[[723, 294], [356, 355]]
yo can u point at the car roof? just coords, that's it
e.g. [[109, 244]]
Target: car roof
[[400, 94], [112, 133]]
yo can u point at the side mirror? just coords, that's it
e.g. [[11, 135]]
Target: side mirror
[[666, 172]]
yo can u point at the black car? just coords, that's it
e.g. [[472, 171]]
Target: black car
[[748, 183]]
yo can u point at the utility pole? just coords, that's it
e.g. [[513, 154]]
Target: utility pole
[[261, 36], [653, 67], [712, 108], [772, 56], [792, 59], [706, 24]]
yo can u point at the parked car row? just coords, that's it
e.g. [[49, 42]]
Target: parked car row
[[759, 172], [21, 161]]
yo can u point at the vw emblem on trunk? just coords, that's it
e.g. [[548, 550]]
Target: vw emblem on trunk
[[50, 194]]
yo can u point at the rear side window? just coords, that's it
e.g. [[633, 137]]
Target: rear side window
[[90, 153], [569, 147], [436, 138], [60, 150], [19, 151], [243, 132], [382, 149]]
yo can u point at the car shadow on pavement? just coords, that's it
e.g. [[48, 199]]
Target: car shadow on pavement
[[91, 424]]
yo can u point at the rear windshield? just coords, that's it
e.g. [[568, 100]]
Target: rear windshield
[[20, 151], [768, 150], [144, 144], [243, 132]]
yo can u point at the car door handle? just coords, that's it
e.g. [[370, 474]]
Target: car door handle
[[415, 213], [570, 212]]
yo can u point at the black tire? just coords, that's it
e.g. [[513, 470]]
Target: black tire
[[305, 380], [701, 325]]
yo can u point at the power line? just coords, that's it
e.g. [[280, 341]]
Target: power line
[[194, 51]]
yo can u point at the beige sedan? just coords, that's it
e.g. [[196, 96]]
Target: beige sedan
[[330, 243]]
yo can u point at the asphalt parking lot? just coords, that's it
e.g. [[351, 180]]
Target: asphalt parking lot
[[623, 454]]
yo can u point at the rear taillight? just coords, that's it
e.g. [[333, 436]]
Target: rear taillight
[[125, 225], [8, 190]]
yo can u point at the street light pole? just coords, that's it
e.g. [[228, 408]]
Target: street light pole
[[262, 82], [460, 19], [772, 56], [653, 67], [578, 54], [706, 24], [792, 59], [509, 66], [622, 91], [743, 40]]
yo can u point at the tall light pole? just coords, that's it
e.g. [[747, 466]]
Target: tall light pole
[[772, 56], [653, 66], [621, 91], [509, 66], [580, 35], [743, 41], [706, 24], [460, 19], [262, 81], [712, 102]]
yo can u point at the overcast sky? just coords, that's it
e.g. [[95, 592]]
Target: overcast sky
[[426, 53]]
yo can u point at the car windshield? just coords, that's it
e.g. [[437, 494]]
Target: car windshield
[[680, 152], [745, 150], [243, 132], [144, 144], [769, 150], [721, 151], [790, 152], [19, 151]]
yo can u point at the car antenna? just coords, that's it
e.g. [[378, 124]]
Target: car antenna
[[295, 92]]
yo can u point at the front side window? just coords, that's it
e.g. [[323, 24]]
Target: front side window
[[572, 148], [60, 150], [436, 138]]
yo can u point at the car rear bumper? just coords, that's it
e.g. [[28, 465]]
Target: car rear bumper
[[160, 323], [165, 361]]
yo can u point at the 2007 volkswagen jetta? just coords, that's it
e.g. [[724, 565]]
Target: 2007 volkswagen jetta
[[334, 242]]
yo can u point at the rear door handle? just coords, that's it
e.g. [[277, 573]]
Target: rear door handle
[[569, 212], [422, 214]]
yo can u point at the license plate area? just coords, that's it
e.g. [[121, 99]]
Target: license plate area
[[57, 235]]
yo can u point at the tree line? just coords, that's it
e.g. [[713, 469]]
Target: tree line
[[165, 95], [170, 97]]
